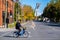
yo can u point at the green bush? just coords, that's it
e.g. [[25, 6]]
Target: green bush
[[12, 25]]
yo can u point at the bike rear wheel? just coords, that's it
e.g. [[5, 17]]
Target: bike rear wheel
[[15, 34]]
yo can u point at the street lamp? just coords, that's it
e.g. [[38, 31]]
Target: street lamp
[[37, 6]]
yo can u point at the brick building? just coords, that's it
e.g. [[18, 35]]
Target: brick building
[[3, 11]]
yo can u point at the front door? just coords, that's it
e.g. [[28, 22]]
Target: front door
[[3, 16]]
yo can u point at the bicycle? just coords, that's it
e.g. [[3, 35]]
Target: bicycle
[[23, 33]]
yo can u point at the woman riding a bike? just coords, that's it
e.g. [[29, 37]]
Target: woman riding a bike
[[20, 30], [18, 26]]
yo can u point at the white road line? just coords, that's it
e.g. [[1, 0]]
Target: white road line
[[29, 34]]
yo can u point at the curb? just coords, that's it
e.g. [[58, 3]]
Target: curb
[[10, 29]]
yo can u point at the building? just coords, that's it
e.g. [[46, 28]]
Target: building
[[6, 10]]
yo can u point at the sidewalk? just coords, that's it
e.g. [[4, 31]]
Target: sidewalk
[[6, 29], [10, 29]]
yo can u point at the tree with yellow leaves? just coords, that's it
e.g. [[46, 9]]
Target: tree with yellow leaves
[[28, 12]]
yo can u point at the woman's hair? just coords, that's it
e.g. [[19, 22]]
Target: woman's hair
[[19, 20]]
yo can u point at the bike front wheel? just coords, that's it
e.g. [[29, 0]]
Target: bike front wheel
[[26, 34]]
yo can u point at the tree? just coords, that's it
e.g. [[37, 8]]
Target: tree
[[52, 11], [17, 10], [28, 12]]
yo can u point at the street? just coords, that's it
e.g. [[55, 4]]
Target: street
[[41, 31]]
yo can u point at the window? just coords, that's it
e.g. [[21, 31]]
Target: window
[[4, 1], [3, 16], [10, 13], [12, 0], [3, 13], [7, 3]]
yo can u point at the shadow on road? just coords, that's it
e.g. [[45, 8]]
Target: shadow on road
[[53, 24], [14, 37], [10, 36]]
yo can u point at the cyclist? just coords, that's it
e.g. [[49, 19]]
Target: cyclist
[[18, 26]]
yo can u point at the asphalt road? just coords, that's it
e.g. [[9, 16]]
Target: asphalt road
[[41, 31]]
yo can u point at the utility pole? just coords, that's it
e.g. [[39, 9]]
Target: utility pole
[[5, 15], [6, 18], [6, 8], [13, 9]]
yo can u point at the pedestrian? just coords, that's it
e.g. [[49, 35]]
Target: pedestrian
[[7, 21]]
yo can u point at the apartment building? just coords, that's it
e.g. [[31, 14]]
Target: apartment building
[[6, 10]]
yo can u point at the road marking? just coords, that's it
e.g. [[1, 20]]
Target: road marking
[[29, 34]]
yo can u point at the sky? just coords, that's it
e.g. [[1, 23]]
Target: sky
[[32, 3]]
